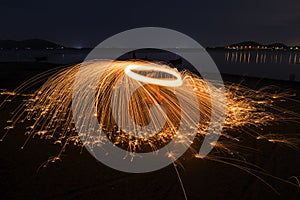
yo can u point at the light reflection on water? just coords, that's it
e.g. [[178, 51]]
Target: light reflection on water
[[273, 64], [221, 56], [262, 57]]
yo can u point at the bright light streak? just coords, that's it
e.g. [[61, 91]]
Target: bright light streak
[[156, 81]]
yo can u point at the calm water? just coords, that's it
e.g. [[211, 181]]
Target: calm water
[[282, 65], [262, 57]]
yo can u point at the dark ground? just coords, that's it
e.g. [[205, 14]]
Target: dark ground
[[80, 176]]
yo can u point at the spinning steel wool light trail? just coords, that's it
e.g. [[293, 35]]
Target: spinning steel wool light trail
[[154, 107]]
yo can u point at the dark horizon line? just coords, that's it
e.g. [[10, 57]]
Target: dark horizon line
[[242, 43]]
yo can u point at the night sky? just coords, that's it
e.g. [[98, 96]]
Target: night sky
[[211, 23]]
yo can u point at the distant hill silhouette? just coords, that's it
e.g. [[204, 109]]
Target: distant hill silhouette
[[246, 43], [29, 44], [256, 45], [277, 45]]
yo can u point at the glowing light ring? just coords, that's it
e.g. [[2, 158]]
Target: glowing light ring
[[155, 81], [157, 38]]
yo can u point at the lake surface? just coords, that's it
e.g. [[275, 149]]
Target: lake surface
[[277, 64]]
